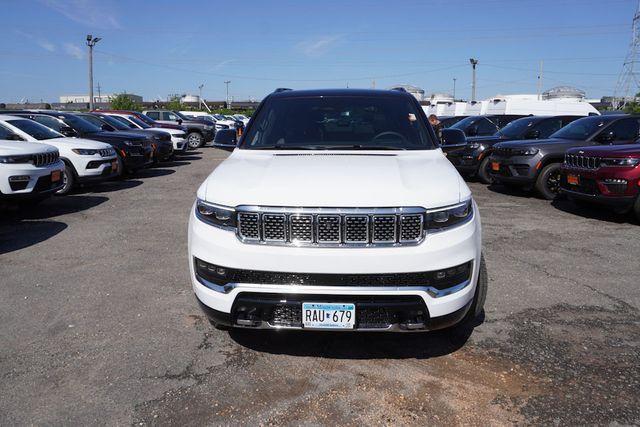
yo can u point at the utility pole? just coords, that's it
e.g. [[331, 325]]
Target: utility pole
[[540, 81], [227, 83], [454, 89], [473, 62], [200, 96], [91, 42], [627, 84], [98, 87]]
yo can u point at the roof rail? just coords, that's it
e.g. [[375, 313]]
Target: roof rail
[[281, 89]]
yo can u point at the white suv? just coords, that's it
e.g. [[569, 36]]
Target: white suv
[[85, 160], [337, 210], [29, 170]]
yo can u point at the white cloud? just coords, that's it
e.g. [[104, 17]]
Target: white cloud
[[223, 63], [96, 14], [73, 50], [43, 43], [318, 46]]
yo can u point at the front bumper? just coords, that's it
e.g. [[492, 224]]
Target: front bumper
[[39, 181], [208, 135], [592, 186], [515, 170], [96, 168], [138, 158], [438, 251]]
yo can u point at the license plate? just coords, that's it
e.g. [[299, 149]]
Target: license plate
[[114, 165], [495, 166], [328, 315], [55, 176], [573, 179]]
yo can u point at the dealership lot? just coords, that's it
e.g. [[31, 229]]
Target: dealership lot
[[98, 322]]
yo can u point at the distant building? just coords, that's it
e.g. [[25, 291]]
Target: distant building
[[106, 98], [417, 92]]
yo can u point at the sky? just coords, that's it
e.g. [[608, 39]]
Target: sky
[[156, 48]]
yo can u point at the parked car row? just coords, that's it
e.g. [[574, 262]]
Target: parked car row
[[44, 152], [594, 159]]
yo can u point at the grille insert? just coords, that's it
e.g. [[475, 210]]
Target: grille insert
[[584, 162], [331, 227]]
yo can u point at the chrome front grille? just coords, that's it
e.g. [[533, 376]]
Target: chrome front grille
[[583, 162], [44, 159], [331, 227]]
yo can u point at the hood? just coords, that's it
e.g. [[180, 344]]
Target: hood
[[78, 143], [117, 136], [170, 131], [629, 150], [10, 148], [482, 139], [539, 143], [335, 179], [168, 126]]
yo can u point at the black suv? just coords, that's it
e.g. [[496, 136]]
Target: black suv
[[485, 125], [472, 159], [536, 163], [199, 132], [134, 151]]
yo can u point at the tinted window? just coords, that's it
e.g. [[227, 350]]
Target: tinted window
[[93, 120], [5, 133], [115, 123], [171, 116], [547, 127], [49, 122], [502, 121], [339, 122], [624, 130], [481, 124], [581, 129], [80, 125], [486, 127], [153, 115], [518, 128], [34, 129], [139, 122], [124, 122]]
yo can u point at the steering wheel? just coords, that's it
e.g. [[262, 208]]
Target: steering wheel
[[380, 135]]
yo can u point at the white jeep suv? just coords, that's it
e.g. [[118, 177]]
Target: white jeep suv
[[29, 170], [337, 210], [85, 161]]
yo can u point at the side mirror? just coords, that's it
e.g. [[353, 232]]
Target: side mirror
[[225, 139], [179, 121], [532, 134], [472, 131], [67, 131], [606, 137], [453, 137]]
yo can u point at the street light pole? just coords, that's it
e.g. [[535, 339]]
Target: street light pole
[[227, 83], [200, 96], [91, 42], [473, 62]]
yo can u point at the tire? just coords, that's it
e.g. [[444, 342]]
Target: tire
[[548, 182], [483, 172], [195, 140], [636, 208], [69, 180]]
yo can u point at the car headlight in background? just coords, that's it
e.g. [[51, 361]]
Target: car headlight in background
[[525, 152], [15, 159], [216, 215], [208, 127], [621, 162], [85, 151], [451, 216]]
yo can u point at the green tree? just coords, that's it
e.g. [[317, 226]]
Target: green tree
[[122, 101], [174, 104]]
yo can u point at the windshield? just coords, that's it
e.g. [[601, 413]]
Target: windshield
[[466, 122], [146, 119], [218, 116], [125, 122], [182, 116], [581, 129], [139, 122], [517, 128], [80, 125], [35, 129], [113, 122], [339, 122]]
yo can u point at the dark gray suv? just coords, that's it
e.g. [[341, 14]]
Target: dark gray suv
[[536, 163]]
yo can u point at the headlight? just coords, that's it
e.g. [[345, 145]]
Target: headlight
[[526, 152], [85, 151], [208, 127], [216, 215], [622, 162], [451, 216], [15, 159], [475, 146]]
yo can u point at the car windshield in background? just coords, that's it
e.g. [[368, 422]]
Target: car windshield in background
[[338, 122], [466, 122], [80, 124], [146, 119], [182, 116], [35, 129], [139, 122], [115, 123], [581, 129], [125, 122], [517, 128]]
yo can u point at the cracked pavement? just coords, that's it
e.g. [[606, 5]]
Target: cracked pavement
[[98, 324]]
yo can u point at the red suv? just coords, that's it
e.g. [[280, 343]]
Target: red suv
[[603, 174]]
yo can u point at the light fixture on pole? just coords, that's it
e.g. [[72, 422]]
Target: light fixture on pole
[[227, 83], [473, 62], [91, 42]]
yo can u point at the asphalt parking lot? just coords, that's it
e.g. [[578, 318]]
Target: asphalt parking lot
[[98, 324]]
